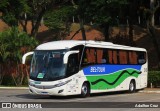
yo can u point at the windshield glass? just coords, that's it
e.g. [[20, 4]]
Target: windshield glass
[[47, 65]]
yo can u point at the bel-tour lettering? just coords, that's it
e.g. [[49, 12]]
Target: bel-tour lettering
[[97, 69]]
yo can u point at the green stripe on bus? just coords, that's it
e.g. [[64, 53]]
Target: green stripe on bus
[[112, 80]]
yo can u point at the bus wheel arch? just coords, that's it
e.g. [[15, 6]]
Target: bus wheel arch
[[85, 89], [132, 86]]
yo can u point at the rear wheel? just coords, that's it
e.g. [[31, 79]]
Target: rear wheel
[[85, 91], [132, 87]]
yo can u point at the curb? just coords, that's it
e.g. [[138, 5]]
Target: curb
[[14, 88], [149, 91]]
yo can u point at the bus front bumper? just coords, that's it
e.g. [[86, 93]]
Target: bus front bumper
[[59, 91]]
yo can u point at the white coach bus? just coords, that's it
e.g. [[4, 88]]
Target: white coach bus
[[73, 67]]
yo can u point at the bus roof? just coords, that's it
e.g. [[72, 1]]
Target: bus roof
[[67, 44], [62, 44]]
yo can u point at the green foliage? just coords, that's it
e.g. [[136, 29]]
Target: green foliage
[[154, 78], [20, 11], [8, 81], [106, 11], [13, 44], [3, 3], [59, 21], [56, 19], [12, 10]]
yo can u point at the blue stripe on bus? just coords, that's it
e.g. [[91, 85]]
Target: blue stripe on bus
[[107, 69]]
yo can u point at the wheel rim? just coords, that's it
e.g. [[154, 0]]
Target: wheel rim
[[84, 89], [131, 87]]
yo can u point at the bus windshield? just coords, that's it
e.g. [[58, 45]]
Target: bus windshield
[[47, 65]]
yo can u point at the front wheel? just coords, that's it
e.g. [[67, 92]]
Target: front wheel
[[132, 87], [85, 91]]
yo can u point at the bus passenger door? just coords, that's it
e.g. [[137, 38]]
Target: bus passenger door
[[72, 69]]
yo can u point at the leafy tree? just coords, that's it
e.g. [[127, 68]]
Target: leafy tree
[[133, 6], [107, 14], [102, 13], [59, 20], [21, 11], [38, 9], [12, 11], [148, 13], [81, 7], [13, 44]]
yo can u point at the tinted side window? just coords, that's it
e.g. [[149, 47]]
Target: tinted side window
[[132, 57], [100, 57], [123, 57], [80, 49], [141, 57], [110, 56], [105, 57], [89, 57], [73, 64]]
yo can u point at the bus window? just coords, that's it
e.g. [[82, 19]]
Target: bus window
[[110, 56], [73, 64], [80, 48], [105, 56], [132, 57], [122, 57], [141, 57], [89, 57], [115, 54], [100, 58]]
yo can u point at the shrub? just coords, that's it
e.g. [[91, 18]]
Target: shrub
[[154, 78], [13, 44]]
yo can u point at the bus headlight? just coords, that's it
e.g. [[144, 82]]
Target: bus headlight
[[62, 83], [40, 86]]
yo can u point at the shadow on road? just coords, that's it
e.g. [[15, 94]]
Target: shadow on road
[[30, 96]]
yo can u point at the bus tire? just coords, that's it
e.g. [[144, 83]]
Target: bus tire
[[85, 90], [132, 86]]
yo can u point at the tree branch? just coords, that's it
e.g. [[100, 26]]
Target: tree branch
[[75, 34]]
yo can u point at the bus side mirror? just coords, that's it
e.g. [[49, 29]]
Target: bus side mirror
[[65, 59], [25, 55]]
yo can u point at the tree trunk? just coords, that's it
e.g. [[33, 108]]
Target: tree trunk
[[130, 31], [35, 26], [83, 33], [22, 74], [26, 70], [75, 34], [24, 23], [106, 33], [105, 30], [151, 31], [131, 20], [152, 10], [82, 28]]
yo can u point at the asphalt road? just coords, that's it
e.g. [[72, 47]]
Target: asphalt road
[[97, 100]]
